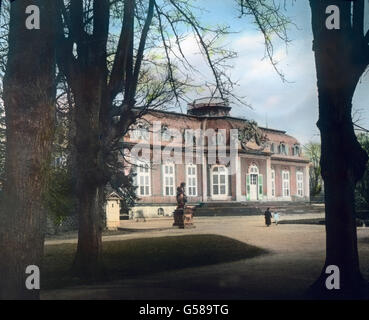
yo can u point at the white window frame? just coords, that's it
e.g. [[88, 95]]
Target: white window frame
[[254, 171], [169, 179], [286, 184], [191, 180], [273, 183], [143, 172], [300, 183], [219, 195]]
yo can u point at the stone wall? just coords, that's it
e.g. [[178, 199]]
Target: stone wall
[[152, 211]]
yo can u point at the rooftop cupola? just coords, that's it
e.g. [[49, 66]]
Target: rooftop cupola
[[209, 107]]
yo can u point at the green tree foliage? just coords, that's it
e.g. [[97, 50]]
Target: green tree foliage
[[60, 200], [362, 187], [312, 152], [126, 188]]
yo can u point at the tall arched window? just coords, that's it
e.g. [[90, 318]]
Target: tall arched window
[[219, 181], [254, 182]]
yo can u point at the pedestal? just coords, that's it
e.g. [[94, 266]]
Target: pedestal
[[178, 218], [183, 218]]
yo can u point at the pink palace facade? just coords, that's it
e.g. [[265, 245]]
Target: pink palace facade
[[277, 171]]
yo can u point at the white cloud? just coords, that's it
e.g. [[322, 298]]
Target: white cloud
[[290, 106]]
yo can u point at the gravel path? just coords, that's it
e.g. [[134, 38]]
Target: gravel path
[[296, 256]]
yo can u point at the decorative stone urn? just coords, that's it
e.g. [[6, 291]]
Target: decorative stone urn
[[188, 217]]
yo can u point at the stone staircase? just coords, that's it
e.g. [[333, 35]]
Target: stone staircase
[[234, 209]]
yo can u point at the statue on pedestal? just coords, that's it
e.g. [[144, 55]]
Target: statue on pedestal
[[181, 196], [181, 202], [183, 216]]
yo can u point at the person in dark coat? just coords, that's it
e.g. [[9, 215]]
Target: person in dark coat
[[268, 217]]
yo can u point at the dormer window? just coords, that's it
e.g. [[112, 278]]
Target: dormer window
[[166, 135], [140, 132], [190, 137], [222, 137], [296, 150], [272, 148], [283, 149]]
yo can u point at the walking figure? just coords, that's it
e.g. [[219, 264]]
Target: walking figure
[[276, 218], [268, 217]]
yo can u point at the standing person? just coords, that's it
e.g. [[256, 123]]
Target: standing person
[[276, 218], [268, 217]]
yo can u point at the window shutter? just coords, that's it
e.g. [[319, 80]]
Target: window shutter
[[209, 180], [248, 197], [229, 185], [260, 187], [162, 179]]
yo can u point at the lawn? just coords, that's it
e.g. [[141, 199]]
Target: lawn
[[130, 258]]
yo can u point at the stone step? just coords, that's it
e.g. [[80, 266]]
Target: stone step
[[253, 208], [227, 211], [254, 204]]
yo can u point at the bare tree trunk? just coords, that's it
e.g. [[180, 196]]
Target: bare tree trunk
[[90, 182], [29, 98], [88, 261]]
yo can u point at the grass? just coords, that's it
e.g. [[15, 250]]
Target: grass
[[131, 258]]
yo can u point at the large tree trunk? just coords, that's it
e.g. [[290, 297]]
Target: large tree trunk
[[90, 181], [339, 65], [88, 261], [343, 163], [29, 98]]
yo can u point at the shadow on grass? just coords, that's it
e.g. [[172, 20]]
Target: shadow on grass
[[131, 258]]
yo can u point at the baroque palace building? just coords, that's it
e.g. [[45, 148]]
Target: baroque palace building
[[269, 165]]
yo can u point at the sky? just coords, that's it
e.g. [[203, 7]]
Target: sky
[[293, 105]]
